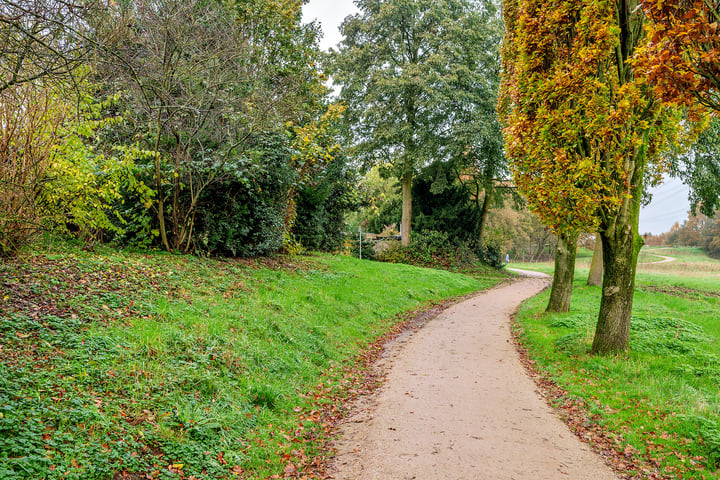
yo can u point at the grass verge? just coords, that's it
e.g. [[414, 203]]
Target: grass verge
[[155, 366], [659, 406]]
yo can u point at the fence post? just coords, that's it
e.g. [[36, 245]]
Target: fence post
[[360, 234]]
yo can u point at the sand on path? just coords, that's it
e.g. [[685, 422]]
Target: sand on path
[[458, 404]]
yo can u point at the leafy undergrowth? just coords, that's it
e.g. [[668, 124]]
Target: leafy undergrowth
[[133, 366], [654, 413]]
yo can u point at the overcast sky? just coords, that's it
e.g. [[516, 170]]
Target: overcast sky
[[670, 200], [330, 14], [670, 204]]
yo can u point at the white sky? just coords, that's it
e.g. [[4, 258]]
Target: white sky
[[670, 204], [670, 200], [330, 14]]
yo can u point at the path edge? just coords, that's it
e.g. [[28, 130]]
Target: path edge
[[375, 375], [574, 413]]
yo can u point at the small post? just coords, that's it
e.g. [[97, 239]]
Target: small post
[[360, 234]]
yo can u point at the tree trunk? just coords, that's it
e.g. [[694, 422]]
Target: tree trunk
[[621, 245], [158, 186], [596, 267], [564, 272], [620, 250], [487, 201], [406, 182]]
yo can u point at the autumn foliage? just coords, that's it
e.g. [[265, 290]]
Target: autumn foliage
[[584, 130], [682, 56], [31, 120], [575, 116]]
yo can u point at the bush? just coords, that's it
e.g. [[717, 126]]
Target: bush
[[428, 249], [431, 246], [322, 205], [490, 255], [244, 215], [435, 250]]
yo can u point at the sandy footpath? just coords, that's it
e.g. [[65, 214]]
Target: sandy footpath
[[457, 404]]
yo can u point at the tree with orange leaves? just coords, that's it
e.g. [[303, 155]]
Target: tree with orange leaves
[[582, 131], [682, 55]]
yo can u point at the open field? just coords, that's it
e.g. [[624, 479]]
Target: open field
[[692, 268], [176, 367], [661, 402]]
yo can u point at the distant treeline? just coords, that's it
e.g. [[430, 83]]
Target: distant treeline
[[697, 231]]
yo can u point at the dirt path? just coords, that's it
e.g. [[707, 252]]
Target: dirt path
[[457, 404], [651, 252], [664, 259]]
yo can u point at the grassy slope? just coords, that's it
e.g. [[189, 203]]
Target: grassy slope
[[661, 403], [179, 367]]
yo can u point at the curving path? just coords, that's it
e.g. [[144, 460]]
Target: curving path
[[458, 405], [663, 257]]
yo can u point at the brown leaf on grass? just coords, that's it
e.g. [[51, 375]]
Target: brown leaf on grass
[[328, 402], [574, 412]]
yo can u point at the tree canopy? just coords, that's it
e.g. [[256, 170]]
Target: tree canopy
[[42, 40], [418, 79], [682, 55]]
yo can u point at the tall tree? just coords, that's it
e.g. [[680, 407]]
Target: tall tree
[[413, 72], [581, 129], [476, 147]]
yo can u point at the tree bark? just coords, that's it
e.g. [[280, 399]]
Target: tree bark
[[561, 291], [596, 267], [620, 250], [406, 182], [621, 245]]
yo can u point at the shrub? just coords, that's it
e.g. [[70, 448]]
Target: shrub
[[241, 213], [435, 250], [30, 120], [428, 249], [244, 215], [491, 255], [322, 204]]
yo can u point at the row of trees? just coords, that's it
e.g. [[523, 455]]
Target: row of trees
[[697, 231], [205, 124], [191, 125], [595, 94]]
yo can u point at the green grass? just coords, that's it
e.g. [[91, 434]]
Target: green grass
[[180, 367], [663, 398]]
